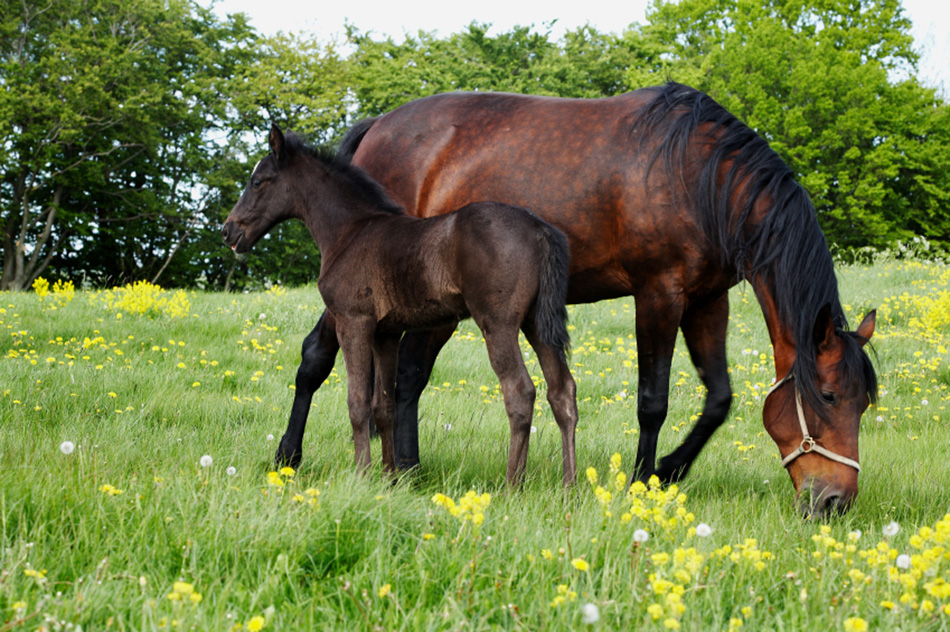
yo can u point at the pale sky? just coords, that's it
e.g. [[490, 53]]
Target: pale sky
[[325, 19]]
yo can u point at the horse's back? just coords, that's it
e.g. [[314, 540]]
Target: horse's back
[[580, 164]]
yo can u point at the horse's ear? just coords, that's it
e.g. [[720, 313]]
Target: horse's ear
[[866, 328], [276, 141], [824, 328]]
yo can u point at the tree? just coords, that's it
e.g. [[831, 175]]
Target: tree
[[830, 85], [107, 107]]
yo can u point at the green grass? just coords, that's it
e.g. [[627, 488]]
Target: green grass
[[144, 396]]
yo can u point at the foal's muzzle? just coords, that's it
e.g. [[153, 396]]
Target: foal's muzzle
[[234, 237]]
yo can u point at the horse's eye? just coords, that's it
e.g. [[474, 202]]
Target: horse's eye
[[830, 398], [255, 183]]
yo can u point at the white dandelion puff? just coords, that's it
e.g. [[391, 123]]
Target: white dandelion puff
[[590, 613], [67, 447], [703, 530], [206, 461], [891, 529]]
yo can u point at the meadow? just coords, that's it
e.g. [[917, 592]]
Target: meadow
[[138, 491]]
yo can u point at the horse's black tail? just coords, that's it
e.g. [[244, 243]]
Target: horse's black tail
[[353, 137], [550, 312]]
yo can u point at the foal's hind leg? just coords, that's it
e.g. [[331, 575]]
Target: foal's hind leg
[[562, 396], [516, 388], [704, 330]]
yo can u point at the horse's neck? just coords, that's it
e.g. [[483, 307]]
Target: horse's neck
[[780, 334]]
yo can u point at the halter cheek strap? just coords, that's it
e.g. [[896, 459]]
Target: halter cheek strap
[[808, 442]]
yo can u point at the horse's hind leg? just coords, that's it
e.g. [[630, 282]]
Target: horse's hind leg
[[385, 351], [417, 354], [317, 358], [516, 388], [704, 330], [562, 397]]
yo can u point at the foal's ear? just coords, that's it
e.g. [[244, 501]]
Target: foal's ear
[[824, 328], [276, 141]]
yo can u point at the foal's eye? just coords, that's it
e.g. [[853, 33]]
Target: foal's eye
[[830, 398]]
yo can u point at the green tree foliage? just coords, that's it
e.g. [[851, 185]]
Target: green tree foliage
[[831, 86], [129, 127], [106, 108]]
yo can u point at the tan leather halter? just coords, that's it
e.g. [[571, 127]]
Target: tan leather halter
[[808, 442]]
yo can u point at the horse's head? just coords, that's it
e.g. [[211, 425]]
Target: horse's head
[[264, 202], [818, 440]]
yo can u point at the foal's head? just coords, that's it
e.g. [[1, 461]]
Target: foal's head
[[266, 200]]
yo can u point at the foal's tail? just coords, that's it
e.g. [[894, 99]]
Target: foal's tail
[[550, 313]]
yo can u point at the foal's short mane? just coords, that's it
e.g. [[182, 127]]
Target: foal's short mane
[[355, 178], [787, 248]]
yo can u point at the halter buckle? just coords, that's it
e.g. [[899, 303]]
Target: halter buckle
[[807, 445]]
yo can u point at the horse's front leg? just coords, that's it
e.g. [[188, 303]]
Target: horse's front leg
[[704, 330], [417, 353], [356, 340], [658, 316], [317, 358], [385, 352]]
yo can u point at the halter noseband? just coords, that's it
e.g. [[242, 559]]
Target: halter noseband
[[808, 442]]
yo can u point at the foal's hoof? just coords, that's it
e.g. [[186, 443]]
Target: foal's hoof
[[287, 457]]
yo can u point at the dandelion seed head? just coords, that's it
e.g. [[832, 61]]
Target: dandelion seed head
[[902, 562], [231, 471], [641, 535], [67, 447], [206, 461], [891, 529], [703, 530], [590, 613]]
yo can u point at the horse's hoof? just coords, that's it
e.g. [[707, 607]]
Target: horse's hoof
[[671, 473], [405, 465], [285, 457]]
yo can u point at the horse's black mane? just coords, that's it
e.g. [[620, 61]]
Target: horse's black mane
[[355, 178], [787, 248]]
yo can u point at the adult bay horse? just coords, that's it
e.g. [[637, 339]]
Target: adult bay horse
[[666, 196], [384, 272]]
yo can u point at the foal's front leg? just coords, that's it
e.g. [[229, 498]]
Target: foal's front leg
[[386, 353], [356, 340]]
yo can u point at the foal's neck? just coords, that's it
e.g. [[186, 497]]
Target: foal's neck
[[331, 205]]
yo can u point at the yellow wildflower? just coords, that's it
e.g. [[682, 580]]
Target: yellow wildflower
[[855, 624]]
